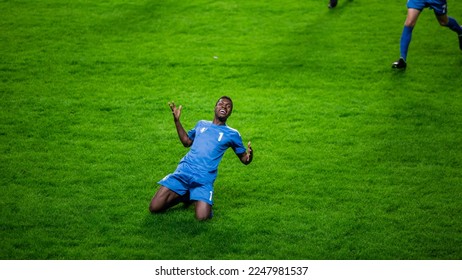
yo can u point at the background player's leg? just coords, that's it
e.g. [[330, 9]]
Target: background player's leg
[[406, 36], [452, 24], [332, 4]]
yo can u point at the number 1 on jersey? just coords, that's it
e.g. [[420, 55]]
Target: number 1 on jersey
[[221, 136]]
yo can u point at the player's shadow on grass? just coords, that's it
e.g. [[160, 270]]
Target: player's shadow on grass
[[177, 231], [176, 220]]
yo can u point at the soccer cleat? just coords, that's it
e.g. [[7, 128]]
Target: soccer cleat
[[332, 4], [400, 64], [211, 214]]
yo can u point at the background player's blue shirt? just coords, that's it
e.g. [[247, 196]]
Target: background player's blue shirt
[[210, 142]]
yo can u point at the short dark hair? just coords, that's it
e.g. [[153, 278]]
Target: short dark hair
[[224, 97]]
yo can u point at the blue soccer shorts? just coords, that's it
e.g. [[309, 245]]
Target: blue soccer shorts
[[439, 6], [184, 179]]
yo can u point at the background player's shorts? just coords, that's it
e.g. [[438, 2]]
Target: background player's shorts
[[439, 6], [184, 179]]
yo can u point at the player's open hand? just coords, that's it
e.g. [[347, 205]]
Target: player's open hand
[[176, 111], [249, 152]]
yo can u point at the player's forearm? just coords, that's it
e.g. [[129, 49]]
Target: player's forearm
[[182, 134]]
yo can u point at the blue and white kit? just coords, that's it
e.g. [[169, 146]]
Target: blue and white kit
[[198, 169], [439, 6]]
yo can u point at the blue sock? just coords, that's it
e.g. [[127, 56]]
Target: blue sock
[[405, 41], [454, 26]]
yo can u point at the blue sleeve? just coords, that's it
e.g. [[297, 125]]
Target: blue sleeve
[[238, 146], [192, 132]]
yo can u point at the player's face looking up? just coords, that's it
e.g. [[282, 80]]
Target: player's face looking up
[[223, 109]]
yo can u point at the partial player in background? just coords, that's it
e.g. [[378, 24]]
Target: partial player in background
[[195, 175], [414, 8], [332, 4]]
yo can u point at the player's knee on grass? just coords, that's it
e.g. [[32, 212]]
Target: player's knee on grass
[[203, 216], [203, 211], [163, 199], [153, 208]]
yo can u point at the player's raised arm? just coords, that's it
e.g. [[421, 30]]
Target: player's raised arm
[[182, 134], [247, 157]]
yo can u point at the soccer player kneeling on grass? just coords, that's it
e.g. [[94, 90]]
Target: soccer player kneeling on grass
[[414, 8], [193, 179]]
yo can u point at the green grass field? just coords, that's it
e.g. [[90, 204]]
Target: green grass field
[[352, 160]]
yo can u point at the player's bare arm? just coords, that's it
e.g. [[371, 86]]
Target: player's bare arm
[[247, 157], [182, 134]]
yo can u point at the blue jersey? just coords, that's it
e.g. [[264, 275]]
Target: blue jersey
[[210, 142]]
